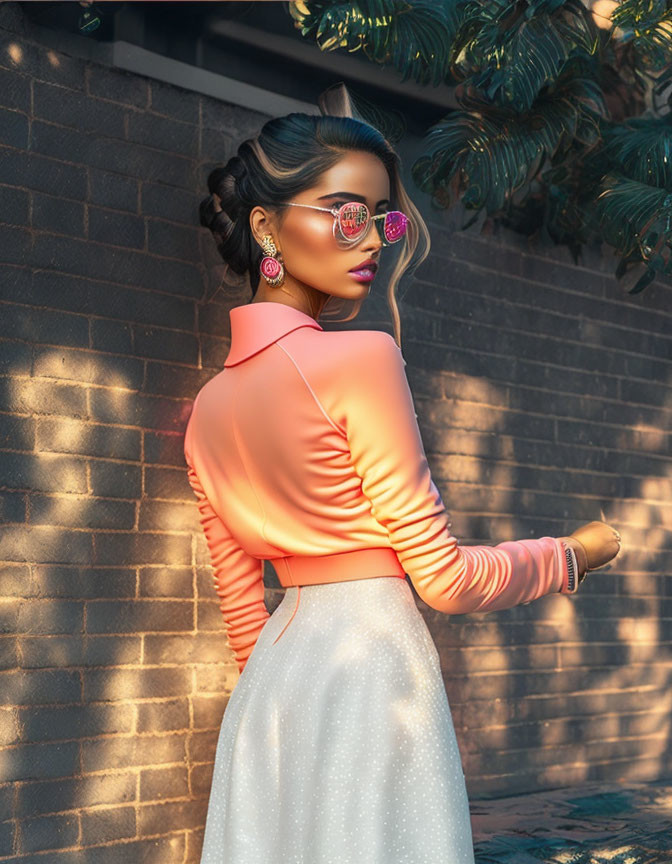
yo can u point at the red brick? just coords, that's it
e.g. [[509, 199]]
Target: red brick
[[154, 818], [105, 824], [130, 683], [124, 751], [161, 783], [163, 715], [200, 779], [208, 710]]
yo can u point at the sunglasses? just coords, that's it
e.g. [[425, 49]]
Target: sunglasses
[[352, 222]]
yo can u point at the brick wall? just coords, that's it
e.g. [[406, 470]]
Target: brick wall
[[545, 401], [543, 397], [115, 669]]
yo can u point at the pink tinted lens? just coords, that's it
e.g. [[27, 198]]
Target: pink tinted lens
[[395, 226], [353, 219]]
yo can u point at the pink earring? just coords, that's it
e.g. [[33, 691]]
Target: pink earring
[[271, 267]]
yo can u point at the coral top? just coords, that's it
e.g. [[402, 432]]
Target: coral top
[[305, 450]]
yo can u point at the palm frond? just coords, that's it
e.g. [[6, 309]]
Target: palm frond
[[636, 219], [533, 58], [495, 158], [642, 149], [510, 55], [414, 37], [648, 26]]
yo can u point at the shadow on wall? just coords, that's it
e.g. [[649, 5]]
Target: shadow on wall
[[115, 666], [114, 682], [563, 690]]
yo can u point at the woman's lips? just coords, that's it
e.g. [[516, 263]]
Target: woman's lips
[[363, 275]]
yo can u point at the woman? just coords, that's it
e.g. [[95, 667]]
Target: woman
[[337, 743]]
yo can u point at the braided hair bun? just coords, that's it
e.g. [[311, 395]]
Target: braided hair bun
[[224, 213]]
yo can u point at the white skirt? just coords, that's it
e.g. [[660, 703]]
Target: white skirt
[[337, 744]]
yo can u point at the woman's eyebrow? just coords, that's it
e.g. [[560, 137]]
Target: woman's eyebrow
[[352, 196]]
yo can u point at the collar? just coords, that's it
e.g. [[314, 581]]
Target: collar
[[255, 326]]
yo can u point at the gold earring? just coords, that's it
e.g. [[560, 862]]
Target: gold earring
[[271, 266]]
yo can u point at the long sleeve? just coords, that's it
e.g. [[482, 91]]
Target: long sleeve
[[388, 455], [238, 578]]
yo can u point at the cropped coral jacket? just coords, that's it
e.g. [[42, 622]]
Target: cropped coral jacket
[[305, 450]]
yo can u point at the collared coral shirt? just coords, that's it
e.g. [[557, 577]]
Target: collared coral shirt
[[306, 443]]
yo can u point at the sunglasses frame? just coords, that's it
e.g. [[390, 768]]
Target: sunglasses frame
[[336, 213]]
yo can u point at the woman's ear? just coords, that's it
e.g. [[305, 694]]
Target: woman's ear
[[262, 223]]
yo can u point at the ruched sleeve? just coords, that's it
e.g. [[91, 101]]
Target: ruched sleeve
[[388, 455], [238, 578]]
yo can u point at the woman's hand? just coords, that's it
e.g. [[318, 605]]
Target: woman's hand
[[595, 544]]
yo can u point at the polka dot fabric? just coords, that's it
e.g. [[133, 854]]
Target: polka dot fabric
[[337, 744]]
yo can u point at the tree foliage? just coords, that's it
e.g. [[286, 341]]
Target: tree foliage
[[563, 129]]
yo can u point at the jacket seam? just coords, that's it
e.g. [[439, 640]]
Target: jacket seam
[[335, 425]]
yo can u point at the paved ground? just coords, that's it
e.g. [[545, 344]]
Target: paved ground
[[592, 824]]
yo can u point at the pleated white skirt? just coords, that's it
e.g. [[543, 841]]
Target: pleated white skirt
[[337, 745]]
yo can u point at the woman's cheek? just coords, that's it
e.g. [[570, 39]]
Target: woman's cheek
[[315, 270], [310, 254]]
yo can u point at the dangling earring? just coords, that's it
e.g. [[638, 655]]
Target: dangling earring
[[271, 267]]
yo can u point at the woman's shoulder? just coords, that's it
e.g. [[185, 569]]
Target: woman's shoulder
[[347, 362], [351, 354], [360, 344]]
